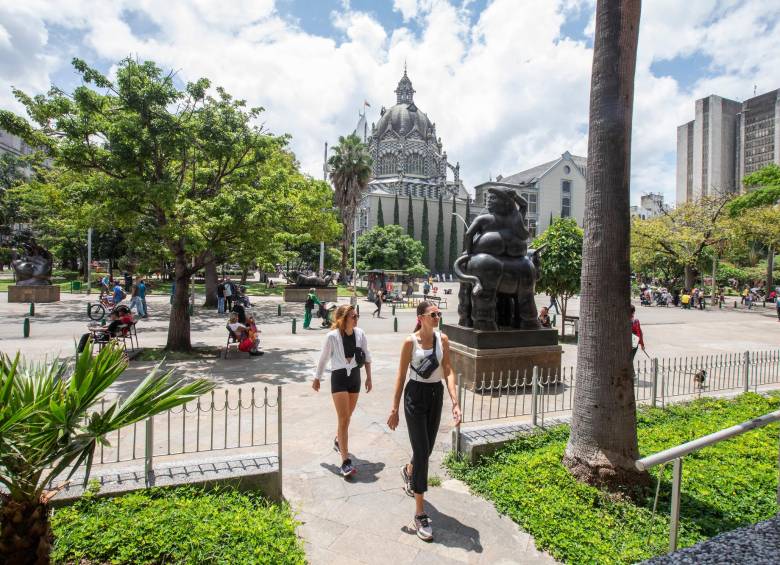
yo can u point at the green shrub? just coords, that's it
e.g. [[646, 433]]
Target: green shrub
[[184, 525], [731, 484]]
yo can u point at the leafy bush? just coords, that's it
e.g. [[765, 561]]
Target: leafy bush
[[185, 525], [726, 486]]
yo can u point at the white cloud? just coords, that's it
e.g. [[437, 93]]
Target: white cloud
[[506, 90]]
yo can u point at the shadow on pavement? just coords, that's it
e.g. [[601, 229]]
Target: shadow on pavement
[[367, 472], [449, 531]]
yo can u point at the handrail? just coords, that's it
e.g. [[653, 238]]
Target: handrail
[[694, 445], [677, 453]]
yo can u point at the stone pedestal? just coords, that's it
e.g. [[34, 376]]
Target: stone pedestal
[[41, 293], [299, 293], [502, 354]]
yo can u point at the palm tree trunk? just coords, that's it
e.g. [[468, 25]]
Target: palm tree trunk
[[603, 446], [25, 533]]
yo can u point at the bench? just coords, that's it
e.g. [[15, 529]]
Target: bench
[[438, 300], [575, 324], [232, 340]]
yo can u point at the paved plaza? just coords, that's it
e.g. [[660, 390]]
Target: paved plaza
[[366, 520]]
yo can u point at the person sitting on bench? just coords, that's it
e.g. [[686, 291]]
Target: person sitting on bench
[[247, 339]]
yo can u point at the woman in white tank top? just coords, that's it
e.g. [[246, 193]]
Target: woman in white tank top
[[425, 359]]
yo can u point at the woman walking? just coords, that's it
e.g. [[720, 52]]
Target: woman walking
[[346, 351], [380, 298], [425, 359]]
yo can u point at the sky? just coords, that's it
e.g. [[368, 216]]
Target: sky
[[506, 81]]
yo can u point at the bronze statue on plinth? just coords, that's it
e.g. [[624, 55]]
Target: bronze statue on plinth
[[33, 267]]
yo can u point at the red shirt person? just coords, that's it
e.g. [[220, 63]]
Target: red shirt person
[[636, 329]]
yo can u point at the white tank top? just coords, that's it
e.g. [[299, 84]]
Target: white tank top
[[418, 354]]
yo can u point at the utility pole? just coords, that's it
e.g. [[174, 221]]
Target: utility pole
[[89, 260]]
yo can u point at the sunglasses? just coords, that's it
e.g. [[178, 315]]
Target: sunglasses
[[355, 316], [433, 315]]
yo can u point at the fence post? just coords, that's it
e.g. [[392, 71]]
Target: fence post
[[534, 393], [149, 450], [279, 438], [746, 369], [457, 428], [675, 514], [654, 369]]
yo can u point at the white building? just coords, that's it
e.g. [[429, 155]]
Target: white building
[[650, 205], [555, 189]]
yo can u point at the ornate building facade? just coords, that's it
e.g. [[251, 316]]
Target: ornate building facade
[[409, 161]]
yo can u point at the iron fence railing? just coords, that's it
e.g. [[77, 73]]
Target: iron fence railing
[[539, 391], [238, 419]]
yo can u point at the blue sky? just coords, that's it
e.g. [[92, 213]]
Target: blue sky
[[506, 81]]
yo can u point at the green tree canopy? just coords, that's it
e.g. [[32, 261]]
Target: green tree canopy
[[763, 190], [389, 248], [561, 260]]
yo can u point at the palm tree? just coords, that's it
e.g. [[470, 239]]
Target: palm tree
[[350, 171], [603, 446], [50, 425]]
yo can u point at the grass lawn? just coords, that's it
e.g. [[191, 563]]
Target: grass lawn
[[731, 484], [182, 525]]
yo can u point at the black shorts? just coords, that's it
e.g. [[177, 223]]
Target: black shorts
[[340, 381]]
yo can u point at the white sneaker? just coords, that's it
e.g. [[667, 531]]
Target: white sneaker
[[423, 526]]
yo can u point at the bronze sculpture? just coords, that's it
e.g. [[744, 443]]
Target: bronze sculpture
[[498, 277], [302, 280], [33, 268]]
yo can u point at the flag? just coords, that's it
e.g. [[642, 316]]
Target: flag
[[365, 103]]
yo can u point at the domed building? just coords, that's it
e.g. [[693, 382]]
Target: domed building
[[410, 165]]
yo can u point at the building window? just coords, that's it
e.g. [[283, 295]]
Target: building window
[[532, 199], [566, 169], [415, 164], [532, 228], [388, 164], [565, 199]]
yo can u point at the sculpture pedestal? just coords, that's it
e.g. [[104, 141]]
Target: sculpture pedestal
[[502, 354], [299, 293], [39, 293]]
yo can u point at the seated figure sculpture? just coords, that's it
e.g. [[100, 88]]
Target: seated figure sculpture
[[33, 268], [299, 279], [498, 277]]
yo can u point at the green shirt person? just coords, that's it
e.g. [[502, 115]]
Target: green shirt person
[[311, 301]]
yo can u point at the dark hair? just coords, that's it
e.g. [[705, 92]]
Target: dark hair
[[633, 309], [421, 308]]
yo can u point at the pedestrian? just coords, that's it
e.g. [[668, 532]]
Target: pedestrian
[[425, 360], [135, 299], [637, 339], [346, 351], [426, 289], [554, 304], [777, 307], [142, 296], [544, 317], [221, 297], [229, 294], [119, 294], [745, 293], [378, 303], [128, 281], [311, 301]]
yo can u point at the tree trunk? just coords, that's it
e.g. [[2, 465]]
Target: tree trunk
[[564, 300], [344, 251], [690, 277], [244, 274], [603, 445], [770, 266], [25, 533], [210, 280], [179, 324]]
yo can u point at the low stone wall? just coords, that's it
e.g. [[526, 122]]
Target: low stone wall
[[247, 473], [299, 293], [43, 293]]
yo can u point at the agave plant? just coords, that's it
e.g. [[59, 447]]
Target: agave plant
[[49, 428]]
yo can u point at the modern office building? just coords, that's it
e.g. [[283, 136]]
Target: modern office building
[[650, 205], [726, 141]]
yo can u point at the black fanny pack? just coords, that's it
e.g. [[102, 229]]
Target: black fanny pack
[[428, 365], [360, 357]]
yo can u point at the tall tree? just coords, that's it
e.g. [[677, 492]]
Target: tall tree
[[389, 248], [425, 235], [439, 258], [454, 250], [396, 213], [350, 171], [410, 218], [603, 447], [380, 215], [181, 163]]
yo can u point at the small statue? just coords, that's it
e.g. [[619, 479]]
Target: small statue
[[33, 268], [298, 279], [498, 278]]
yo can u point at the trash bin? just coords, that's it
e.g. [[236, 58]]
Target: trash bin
[[76, 286]]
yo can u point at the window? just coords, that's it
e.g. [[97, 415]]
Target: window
[[484, 198], [388, 164], [532, 199], [566, 169], [532, 228], [565, 199], [415, 165]]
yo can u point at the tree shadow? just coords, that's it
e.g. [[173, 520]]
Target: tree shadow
[[449, 531]]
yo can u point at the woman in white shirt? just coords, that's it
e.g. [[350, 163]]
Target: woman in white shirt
[[425, 359], [345, 350]]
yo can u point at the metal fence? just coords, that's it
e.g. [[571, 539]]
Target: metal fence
[[236, 420], [536, 392]]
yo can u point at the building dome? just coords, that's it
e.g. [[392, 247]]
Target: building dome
[[403, 119]]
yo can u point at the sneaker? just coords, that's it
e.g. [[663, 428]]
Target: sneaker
[[347, 470], [407, 481], [422, 524]]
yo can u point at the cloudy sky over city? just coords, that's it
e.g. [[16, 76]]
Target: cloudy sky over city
[[505, 81]]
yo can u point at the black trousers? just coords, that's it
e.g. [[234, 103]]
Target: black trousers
[[422, 408]]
